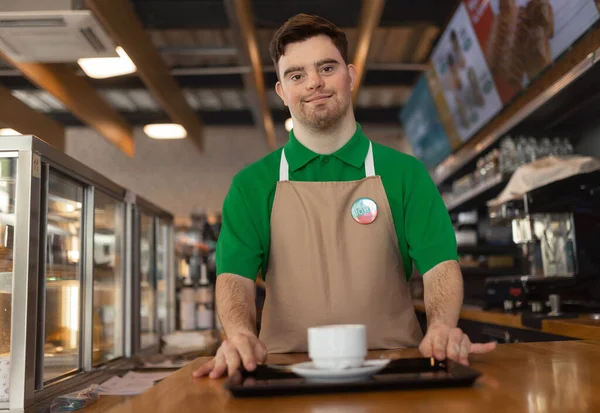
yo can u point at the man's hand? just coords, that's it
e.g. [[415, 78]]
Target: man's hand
[[442, 341], [242, 348]]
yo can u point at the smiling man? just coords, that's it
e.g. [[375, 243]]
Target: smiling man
[[334, 223]]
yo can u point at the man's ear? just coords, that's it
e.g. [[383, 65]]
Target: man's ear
[[279, 90], [353, 75]]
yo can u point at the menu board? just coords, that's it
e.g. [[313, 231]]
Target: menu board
[[490, 51], [423, 126], [468, 85], [520, 38]]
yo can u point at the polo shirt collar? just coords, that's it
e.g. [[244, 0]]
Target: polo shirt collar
[[353, 152]]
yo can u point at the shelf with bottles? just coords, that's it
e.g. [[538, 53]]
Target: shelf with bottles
[[494, 169]]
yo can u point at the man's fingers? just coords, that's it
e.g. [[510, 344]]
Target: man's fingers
[[426, 347], [454, 342], [478, 348], [204, 369], [439, 344], [465, 346], [220, 367], [232, 358], [260, 350], [246, 352]]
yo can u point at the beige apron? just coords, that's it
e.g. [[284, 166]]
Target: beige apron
[[326, 268]]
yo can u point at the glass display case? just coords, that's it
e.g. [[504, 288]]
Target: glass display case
[[108, 313], [8, 174], [147, 274], [63, 275], [86, 278]]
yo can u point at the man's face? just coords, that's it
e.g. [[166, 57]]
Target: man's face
[[315, 83]]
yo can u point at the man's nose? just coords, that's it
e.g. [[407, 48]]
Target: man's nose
[[315, 81]]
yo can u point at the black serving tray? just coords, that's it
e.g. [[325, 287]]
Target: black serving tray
[[411, 373]]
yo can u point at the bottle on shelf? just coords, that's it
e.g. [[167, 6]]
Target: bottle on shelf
[[204, 318]]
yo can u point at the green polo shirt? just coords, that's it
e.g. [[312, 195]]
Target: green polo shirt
[[425, 233]]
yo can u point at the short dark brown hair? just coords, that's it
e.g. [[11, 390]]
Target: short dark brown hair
[[302, 27]]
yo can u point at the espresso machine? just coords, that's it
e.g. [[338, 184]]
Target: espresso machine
[[557, 227]]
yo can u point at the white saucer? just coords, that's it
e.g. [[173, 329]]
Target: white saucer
[[309, 371]]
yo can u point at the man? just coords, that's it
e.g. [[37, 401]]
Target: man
[[334, 223]]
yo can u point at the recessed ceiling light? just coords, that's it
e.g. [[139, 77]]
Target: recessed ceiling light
[[289, 124], [165, 131], [9, 132], [103, 67]]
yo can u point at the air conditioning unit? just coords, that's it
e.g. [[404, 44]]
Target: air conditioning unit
[[51, 31]]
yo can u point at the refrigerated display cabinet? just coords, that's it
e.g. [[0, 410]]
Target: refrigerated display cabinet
[[86, 273]]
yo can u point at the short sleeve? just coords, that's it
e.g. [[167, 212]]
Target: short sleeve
[[429, 232], [239, 250]]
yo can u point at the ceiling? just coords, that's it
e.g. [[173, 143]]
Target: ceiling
[[196, 41]]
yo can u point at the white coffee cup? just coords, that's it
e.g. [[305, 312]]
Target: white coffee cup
[[337, 347]]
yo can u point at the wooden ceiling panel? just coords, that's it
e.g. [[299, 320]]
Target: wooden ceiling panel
[[425, 45], [378, 44], [124, 26], [19, 116], [396, 44], [370, 16], [78, 95], [241, 20], [158, 38]]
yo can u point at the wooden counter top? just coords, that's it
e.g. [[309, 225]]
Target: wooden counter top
[[525, 377], [582, 327]]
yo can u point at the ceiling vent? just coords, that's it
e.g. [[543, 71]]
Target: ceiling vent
[[51, 31]]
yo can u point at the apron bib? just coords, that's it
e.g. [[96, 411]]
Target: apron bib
[[326, 267]]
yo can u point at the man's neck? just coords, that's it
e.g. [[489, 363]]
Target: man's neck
[[328, 141]]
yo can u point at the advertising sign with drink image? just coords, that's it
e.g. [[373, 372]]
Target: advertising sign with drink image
[[466, 79], [520, 38]]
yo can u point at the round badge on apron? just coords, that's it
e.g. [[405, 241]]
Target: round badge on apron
[[364, 210]]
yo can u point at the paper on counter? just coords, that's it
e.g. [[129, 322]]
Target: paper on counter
[[131, 383], [167, 364]]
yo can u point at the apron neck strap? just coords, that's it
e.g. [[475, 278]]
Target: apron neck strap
[[369, 163], [284, 168]]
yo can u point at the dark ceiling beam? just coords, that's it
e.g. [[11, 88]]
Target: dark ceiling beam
[[239, 117], [237, 70], [215, 81], [79, 97], [20, 117], [369, 20], [241, 20], [181, 14], [409, 12], [123, 25], [198, 50], [186, 14]]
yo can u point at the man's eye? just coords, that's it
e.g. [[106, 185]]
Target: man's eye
[[328, 68], [295, 77]]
